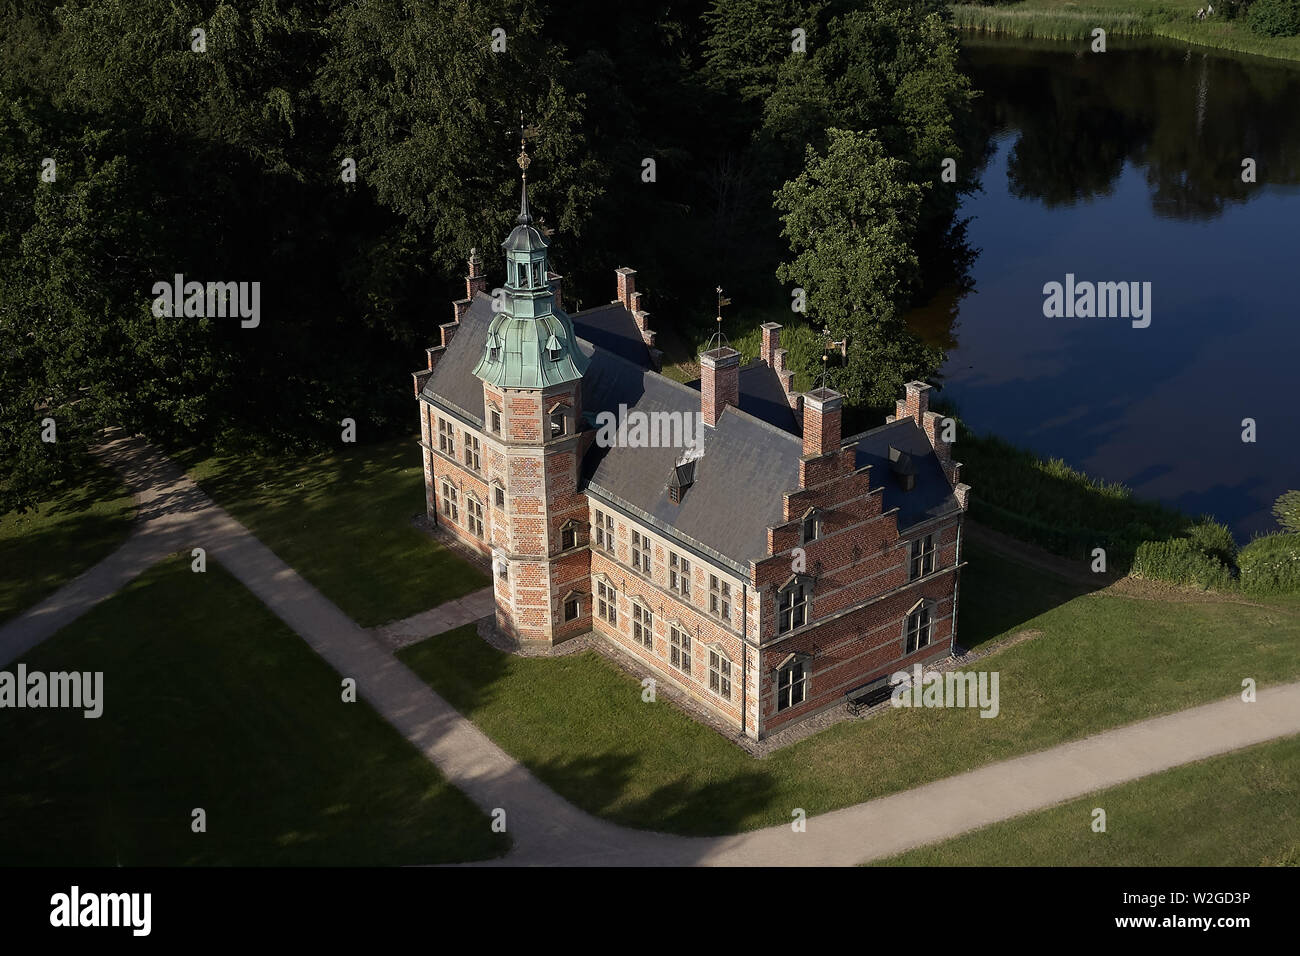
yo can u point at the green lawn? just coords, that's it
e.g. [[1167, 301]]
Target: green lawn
[[1101, 661], [1236, 810], [65, 534], [1174, 19], [210, 701], [344, 522]]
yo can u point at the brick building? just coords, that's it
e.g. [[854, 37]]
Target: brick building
[[769, 572]]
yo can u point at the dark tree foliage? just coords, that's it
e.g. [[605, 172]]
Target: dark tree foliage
[[225, 165]]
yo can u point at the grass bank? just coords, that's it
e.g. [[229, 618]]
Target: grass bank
[[1099, 660], [344, 522], [210, 701], [1235, 810], [72, 529], [1171, 19]]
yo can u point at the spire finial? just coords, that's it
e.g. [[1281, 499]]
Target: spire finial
[[524, 162]]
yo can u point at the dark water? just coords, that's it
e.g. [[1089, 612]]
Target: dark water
[[1126, 166]]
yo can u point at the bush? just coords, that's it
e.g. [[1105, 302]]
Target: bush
[[1271, 565], [1274, 18], [1179, 561], [1213, 539], [1287, 510]]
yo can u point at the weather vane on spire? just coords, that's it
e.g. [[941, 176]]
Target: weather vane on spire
[[523, 160]]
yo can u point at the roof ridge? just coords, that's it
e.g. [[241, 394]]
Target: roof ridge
[[694, 392]]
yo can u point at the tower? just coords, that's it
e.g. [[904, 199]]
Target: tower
[[532, 369]]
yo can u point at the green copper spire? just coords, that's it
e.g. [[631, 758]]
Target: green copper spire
[[530, 343]]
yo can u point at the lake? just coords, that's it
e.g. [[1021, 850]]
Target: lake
[[1127, 167]]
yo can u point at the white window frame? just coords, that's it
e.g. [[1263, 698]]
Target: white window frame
[[719, 672]]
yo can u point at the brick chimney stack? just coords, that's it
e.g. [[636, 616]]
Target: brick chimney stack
[[914, 404], [821, 422], [719, 382], [771, 342], [476, 281], [626, 287]]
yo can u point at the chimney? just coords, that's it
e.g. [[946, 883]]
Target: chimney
[[821, 422], [915, 403], [476, 281], [626, 286], [771, 342], [557, 281], [719, 382]]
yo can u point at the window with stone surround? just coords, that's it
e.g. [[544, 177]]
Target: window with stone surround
[[811, 528], [472, 453], [679, 649], [643, 625], [446, 438], [604, 532], [569, 535], [792, 684], [474, 509], [640, 552], [450, 504], [919, 629], [719, 598], [572, 607], [499, 496], [607, 602], [792, 604], [719, 674], [922, 557], [494, 421], [679, 574]]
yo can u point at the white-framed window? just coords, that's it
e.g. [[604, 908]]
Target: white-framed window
[[922, 557], [719, 674], [446, 438], [719, 597], [607, 602], [640, 552], [643, 626], [472, 453], [450, 502], [604, 531], [474, 510], [572, 607], [679, 649], [792, 606], [568, 536], [679, 574], [920, 627], [791, 685]]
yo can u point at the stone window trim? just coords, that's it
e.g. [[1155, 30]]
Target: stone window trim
[[575, 598], [922, 556], [474, 513], [681, 649], [800, 687], [923, 611], [643, 621], [558, 421], [606, 603], [498, 494], [679, 574], [473, 452], [720, 602], [794, 602], [812, 526], [720, 670], [449, 499], [575, 528], [492, 408]]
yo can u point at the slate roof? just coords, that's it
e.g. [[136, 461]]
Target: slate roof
[[932, 495], [763, 397], [613, 328], [749, 461]]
